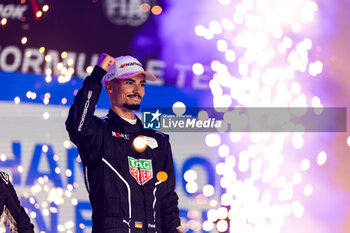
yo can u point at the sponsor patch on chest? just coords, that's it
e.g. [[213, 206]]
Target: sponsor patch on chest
[[121, 135], [151, 142], [140, 169]]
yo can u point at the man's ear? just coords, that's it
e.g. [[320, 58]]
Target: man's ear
[[108, 87]]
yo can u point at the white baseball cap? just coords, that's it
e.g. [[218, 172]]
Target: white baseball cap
[[125, 67]]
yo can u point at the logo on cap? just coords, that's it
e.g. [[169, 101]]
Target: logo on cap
[[130, 64]]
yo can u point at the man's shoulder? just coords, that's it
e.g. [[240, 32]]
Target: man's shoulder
[[156, 134], [102, 121], [5, 178]]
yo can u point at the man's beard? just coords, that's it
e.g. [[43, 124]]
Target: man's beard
[[131, 106]]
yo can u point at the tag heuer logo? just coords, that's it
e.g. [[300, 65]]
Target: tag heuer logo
[[151, 120], [141, 169]]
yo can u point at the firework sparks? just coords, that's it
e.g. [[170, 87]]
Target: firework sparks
[[260, 66]]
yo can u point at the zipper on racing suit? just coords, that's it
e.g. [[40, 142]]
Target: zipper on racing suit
[[138, 156]]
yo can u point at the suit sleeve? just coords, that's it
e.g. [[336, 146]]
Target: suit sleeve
[[13, 214], [83, 127], [169, 209]]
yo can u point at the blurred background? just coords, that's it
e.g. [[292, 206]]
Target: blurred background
[[205, 53]]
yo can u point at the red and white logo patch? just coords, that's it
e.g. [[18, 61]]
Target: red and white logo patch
[[141, 169]]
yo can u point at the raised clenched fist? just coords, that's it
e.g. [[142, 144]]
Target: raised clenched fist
[[105, 61]]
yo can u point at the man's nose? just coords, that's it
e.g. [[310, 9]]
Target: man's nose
[[136, 89]]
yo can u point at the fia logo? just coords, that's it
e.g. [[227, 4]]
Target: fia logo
[[126, 12], [152, 120]]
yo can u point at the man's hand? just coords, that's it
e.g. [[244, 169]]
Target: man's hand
[[105, 61]]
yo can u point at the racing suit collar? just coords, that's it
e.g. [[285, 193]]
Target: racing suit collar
[[126, 126]]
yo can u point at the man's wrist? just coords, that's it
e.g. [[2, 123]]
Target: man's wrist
[[105, 61], [97, 74]]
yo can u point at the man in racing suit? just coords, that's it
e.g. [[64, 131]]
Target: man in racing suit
[[12, 214], [124, 191]]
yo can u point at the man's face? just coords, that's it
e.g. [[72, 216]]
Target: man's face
[[126, 93]]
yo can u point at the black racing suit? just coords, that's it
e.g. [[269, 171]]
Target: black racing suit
[[12, 214], [124, 193]]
